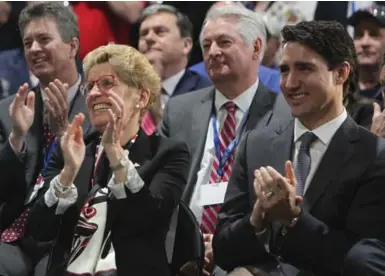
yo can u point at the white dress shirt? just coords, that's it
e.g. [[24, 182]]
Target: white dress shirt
[[324, 134], [134, 183], [243, 103], [169, 86]]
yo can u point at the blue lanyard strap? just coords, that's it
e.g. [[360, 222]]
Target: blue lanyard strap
[[222, 159], [48, 156]]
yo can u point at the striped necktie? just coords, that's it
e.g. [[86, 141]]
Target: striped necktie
[[210, 213]]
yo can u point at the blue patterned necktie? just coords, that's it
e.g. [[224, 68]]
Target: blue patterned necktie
[[302, 166]]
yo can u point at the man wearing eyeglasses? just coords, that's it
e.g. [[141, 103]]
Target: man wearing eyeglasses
[[369, 42]]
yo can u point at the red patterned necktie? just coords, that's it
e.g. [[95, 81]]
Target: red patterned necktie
[[17, 228], [48, 135], [210, 213]]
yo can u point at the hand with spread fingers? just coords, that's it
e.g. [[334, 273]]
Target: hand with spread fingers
[[22, 113], [73, 149], [57, 106], [277, 194]]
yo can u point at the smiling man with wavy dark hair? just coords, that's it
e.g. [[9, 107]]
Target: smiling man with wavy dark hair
[[302, 194]]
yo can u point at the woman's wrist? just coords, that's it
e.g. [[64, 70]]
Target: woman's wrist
[[114, 154], [67, 176]]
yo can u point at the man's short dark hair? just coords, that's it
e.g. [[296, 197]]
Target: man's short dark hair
[[65, 18], [331, 41], [182, 21]]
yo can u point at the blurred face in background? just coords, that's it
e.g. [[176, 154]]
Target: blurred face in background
[[270, 56], [369, 42], [160, 40]]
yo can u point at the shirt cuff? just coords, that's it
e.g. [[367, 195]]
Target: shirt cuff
[[134, 183], [63, 203], [19, 154]]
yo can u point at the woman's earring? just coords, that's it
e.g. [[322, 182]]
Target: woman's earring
[[137, 106]]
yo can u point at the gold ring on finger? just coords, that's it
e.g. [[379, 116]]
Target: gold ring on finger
[[269, 194]]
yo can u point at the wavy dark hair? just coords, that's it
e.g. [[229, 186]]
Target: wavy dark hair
[[331, 41]]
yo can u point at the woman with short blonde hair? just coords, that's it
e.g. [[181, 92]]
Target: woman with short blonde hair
[[108, 200]]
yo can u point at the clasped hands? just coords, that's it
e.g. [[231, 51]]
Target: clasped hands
[[73, 146], [277, 198]]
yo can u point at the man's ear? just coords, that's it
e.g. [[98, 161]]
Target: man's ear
[[342, 73], [74, 44], [144, 98], [257, 45], [188, 44]]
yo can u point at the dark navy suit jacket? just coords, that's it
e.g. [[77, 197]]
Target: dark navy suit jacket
[[191, 81]]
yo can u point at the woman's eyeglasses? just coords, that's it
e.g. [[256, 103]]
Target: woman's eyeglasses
[[104, 83]]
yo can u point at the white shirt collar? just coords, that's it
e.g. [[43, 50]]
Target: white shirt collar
[[243, 101], [325, 132], [170, 83], [33, 80], [71, 91]]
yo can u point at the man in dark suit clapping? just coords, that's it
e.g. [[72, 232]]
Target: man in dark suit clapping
[[303, 219]]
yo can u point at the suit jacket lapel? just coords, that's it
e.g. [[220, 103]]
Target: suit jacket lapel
[[341, 146], [79, 105], [261, 104], [200, 121], [186, 84], [141, 152], [281, 147]]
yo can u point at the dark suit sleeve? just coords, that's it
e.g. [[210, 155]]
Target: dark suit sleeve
[[43, 223], [153, 205], [313, 245], [12, 168], [235, 243]]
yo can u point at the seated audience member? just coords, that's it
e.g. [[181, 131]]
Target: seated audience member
[[116, 192], [165, 38], [269, 77], [28, 128], [212, 120], [303, 220], [369, 42]]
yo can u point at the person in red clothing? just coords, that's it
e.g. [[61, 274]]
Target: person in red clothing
[[101, 23]]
